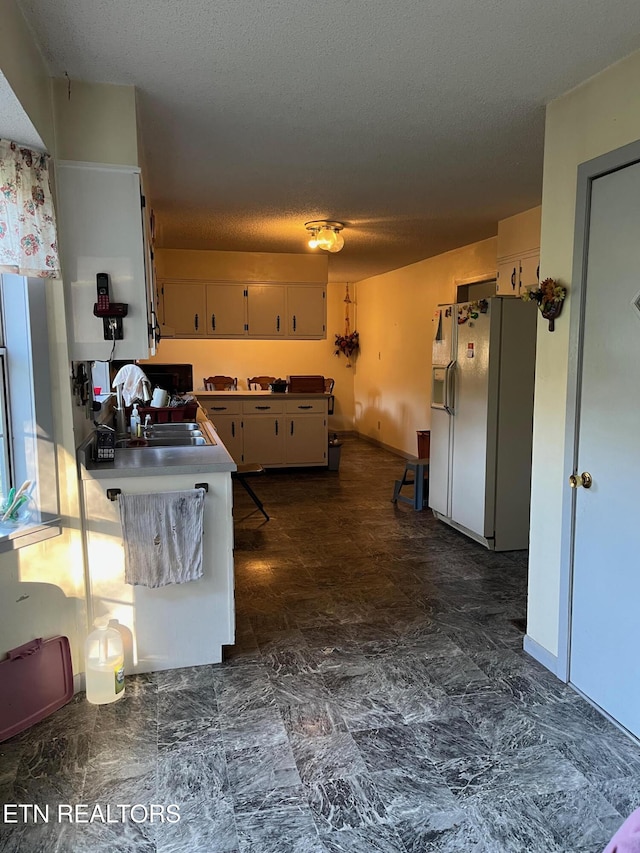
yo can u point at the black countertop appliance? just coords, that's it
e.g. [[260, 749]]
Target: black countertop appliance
[[174, 378]]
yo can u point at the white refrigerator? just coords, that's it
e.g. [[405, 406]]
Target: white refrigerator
[[482, 419]]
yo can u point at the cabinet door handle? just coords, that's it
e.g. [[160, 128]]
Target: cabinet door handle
[[276, 427], [195, 322], [263, 408], [233, 429], [305, 407], [513, 278], [213, 322], [538, 272], [291, 427], [218, 408], [278, 323], [294, 322]]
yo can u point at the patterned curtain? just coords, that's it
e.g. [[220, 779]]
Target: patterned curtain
[[28, 243]]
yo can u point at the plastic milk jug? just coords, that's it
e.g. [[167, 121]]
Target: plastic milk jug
[[104, 664]]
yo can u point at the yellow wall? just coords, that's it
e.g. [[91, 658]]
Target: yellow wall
[[187, 264], [519, 233], [393, 370], [95, 122], [599, 116], [24, 68]]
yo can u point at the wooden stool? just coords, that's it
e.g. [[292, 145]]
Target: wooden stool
[[249, 470], [420, 472]]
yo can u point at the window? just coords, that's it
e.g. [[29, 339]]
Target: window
[[28, 450], [5, 461]]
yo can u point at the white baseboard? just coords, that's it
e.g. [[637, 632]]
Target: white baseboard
[[542, 655]]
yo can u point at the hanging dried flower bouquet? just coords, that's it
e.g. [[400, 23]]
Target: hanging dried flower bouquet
[[347, 344]]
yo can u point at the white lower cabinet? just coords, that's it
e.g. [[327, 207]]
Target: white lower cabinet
[[171, 626], [226, 416], [271, 431], [263, 438], [229, 428], [306, 442]]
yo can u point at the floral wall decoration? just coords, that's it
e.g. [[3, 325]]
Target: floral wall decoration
[[348, 343], [550, 297]]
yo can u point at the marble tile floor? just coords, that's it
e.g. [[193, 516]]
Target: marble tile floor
[[377, 700]]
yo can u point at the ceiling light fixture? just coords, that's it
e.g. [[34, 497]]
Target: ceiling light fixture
[[325, 234]]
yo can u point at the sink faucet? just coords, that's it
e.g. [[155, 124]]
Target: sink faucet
[[121, 423], [147, 430]]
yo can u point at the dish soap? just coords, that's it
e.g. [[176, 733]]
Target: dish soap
[[134, 422]]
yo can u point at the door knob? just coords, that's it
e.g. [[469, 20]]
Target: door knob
[[585, 479]]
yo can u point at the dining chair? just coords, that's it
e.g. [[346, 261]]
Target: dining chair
[[220, 383], [328, 389], [260, 382]]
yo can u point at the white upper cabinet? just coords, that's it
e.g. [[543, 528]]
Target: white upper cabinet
[[185, 309], [519, 252], [226, 310], [306, 311], [517, 274], [100, 222], [266, 310], [529, 272], [195, 309]]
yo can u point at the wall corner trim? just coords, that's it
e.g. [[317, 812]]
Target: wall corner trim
[[542, 655]]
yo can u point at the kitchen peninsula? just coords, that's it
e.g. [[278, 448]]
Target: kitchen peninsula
[[180, 624], [275, 430]]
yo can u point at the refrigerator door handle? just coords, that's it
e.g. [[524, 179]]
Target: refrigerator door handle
[[449, 387]]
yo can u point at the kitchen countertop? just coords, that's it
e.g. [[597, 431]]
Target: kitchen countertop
[[269, 394], [155, 461]]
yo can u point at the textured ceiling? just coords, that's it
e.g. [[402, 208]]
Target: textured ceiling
[[417, 123]]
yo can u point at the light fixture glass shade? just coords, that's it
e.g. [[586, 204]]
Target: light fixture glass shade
[[325, 234], [338, 243], [328, 240]]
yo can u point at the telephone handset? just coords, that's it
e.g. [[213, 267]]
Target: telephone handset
[[110, 312], [102, 281]]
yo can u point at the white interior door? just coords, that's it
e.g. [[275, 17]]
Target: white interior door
[[605, 659]]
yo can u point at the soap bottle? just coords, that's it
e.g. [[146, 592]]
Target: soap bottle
[[134, 423]]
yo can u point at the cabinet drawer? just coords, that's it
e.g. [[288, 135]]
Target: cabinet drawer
[[263, 407], [303, 407], [221, 407]]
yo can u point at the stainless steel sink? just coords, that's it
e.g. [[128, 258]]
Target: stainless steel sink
[[172, 440], [179, 427], [181, 434]]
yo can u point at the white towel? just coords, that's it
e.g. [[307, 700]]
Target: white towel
[[134, 382], [162, 535]]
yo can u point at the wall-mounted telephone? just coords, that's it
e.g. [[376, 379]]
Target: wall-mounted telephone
[[111, 312]]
